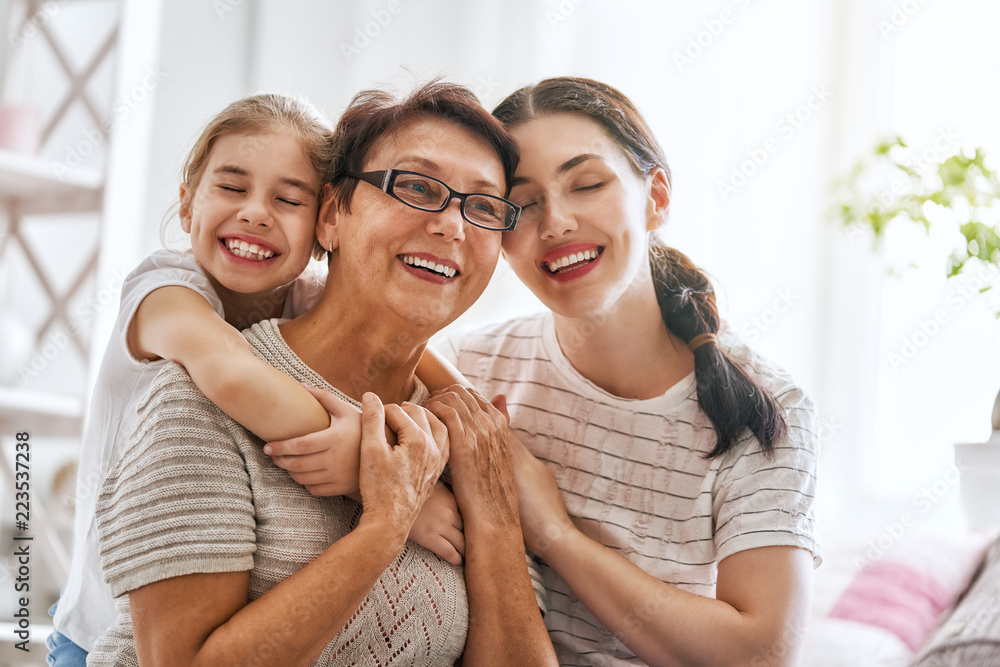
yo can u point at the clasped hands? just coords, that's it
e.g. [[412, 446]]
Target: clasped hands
[[495, 480]]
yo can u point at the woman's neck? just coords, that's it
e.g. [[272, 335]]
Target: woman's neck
[[243, 310], [355, 351], [627, 349]]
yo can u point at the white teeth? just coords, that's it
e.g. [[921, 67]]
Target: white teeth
[[445, 271], [248, 250], [571, 259]]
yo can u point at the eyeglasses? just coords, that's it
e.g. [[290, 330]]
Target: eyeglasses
[[429, 194]]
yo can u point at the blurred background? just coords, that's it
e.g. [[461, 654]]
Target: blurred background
[[763, 109]]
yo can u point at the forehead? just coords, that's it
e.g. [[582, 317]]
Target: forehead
[[440, 148], [261, 150], [550, 141]]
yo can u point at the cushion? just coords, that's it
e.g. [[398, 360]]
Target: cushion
[[971, 634]]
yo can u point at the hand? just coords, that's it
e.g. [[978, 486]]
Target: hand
[[544, 519], [481, 470], [395, 482], [439, 526], [325, 462]]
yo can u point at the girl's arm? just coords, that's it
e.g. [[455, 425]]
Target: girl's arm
[[205, 619], [437, 372], [178, 324], [762, 596]]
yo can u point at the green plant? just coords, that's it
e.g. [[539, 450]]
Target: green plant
[[890, 185]]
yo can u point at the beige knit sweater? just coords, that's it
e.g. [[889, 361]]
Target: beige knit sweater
[[194, 493]]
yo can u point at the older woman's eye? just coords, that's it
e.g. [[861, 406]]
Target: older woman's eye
[[415, 189]]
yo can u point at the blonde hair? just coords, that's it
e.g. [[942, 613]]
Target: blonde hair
[[261, 113]]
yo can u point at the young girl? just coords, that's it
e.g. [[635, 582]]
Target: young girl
[[249, 200], [686, 461]]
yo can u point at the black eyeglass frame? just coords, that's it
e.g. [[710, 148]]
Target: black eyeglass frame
[[384, 179]]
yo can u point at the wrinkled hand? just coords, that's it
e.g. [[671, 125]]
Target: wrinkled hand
[[325, 462], [395, 482], [439, 526], [482, 474], [543, 514]]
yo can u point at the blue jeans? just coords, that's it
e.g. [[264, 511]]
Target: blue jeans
[[62, 651]]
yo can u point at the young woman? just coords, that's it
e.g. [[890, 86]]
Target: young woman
[[668, 477]]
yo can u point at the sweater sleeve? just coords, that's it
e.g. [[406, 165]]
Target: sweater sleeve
[[179, 500]]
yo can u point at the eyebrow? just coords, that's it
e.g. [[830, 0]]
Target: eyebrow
[[563, 168], [240, 171], [479, 183]]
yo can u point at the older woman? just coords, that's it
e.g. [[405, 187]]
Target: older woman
[[218, 557]]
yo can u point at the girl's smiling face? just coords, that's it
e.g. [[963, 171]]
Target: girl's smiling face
[[252, 216], [581, 239]]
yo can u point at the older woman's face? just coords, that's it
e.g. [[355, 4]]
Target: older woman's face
[[382, 243]]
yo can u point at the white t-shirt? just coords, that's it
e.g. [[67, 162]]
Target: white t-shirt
[[634, 474], [86, 609]]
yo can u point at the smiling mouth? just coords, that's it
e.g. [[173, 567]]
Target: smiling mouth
[[573, 261], [246, 250], [430, 267]]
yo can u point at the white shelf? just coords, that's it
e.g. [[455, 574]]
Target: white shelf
[[41, 413], [37, 187]]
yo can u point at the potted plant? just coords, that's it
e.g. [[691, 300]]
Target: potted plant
[[892, 186]]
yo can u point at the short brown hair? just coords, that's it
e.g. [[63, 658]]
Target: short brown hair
[[374, 114]]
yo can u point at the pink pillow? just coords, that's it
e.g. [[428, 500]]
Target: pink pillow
[[911, 586], [897, 597]]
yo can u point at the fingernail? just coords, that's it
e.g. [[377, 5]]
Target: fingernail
[[369, 398], [268, 450]]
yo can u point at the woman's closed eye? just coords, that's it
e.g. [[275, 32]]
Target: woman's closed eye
[[589, 188]]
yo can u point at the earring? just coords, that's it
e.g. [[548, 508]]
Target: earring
[[330, 246]]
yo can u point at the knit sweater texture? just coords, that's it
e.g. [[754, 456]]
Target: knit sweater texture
[[194, 493]]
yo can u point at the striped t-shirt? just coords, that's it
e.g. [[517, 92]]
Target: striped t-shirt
[[634, 474]]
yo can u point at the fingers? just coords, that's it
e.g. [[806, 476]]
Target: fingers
[[500, 403], [450, 545], [332, 403], [306, 444], [373, 420]]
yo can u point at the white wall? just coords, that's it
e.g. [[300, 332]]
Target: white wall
[[800, 290]]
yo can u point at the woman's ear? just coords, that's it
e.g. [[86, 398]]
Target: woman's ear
[[326, 223], [658, 205], [184, 212]]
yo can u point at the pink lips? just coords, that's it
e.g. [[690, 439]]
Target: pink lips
[[572, 261]]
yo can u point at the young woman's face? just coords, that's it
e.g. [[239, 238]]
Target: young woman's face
[[581, 239], [252, 217], [382, 243]]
